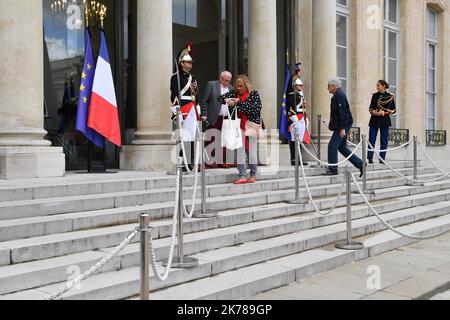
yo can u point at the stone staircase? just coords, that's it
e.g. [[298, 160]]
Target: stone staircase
[[51, 229]]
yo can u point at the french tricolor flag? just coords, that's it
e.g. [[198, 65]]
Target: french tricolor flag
[[103, 111]]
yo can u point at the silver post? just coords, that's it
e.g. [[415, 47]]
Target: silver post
[[319, 134], [349, 244], [180, 261], [144, 223], [364, 157], [202, 142], [416, 140], [180, 211], [297, 200], [297, 169], [204, 212]]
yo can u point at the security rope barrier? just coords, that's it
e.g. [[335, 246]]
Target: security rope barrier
[[308, 190], [71, 284], [190, 214], [326, 164], [446, 174], [381, 151], [387, 224], [164, 275], [402, 175]]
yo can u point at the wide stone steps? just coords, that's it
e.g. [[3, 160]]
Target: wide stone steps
[[78, 203], [81, 220], [247, 281], [216, 279], [76, 185], [237, 227], [54, 245]]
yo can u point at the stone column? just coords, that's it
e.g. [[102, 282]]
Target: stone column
[[303, 24], [23, 151], [323, 59], [413, 63], [262, 56], [152, 147], [366, 57], [262, 69]]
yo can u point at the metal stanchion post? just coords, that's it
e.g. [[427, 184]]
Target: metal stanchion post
[[415, 162], [204, 213], [180, 261], [297, 200], [416, 158], [349, 244], [144, 223], [319, 134], [364, 157]]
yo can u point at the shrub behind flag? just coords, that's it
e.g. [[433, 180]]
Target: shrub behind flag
[[103, 112], [284, 130], [87, 78]]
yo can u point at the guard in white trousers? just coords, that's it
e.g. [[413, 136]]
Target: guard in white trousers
[[184, 89], [297, 116]]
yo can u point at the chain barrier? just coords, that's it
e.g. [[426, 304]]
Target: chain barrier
[[387, 224], [432, 161], [164, 275], [71, 284], [381, 151], [190, 214], [402, 175], [161, 276], [316, 208], [326, 164]]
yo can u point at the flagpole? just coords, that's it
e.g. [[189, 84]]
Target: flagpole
[[89, 147]]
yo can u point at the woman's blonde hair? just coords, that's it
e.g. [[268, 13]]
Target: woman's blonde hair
[[246, 80]]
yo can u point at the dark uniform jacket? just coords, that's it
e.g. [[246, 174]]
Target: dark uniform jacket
[[292, 103], [251, 107], [184, 78], [341, 116], [386, 102]]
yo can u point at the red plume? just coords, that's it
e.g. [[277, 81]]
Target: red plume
[[190, 47]]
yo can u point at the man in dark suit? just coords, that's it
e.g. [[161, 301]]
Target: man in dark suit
[[340, 123], [213, 113]]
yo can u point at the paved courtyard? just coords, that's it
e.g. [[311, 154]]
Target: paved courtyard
[[419, 271]]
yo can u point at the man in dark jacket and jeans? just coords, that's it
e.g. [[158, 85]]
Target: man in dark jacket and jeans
[[340, 123]]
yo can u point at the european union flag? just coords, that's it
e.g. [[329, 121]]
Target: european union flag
[[284, 130], [87, 80]]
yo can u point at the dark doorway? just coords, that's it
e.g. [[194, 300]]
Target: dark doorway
[[64, 34]]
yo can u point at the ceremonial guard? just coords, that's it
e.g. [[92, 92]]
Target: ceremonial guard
[[381, 108], [184, 90], [297, 116]]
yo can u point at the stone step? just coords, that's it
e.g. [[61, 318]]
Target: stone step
[[217, 280], [34, 274], [39, 226], [247, 281], [82, 184], [26, 248], [52, 206]]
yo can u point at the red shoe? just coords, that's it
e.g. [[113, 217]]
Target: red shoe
[[251, 180], [241, 181]]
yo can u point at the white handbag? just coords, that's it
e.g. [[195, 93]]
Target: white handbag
[[231, 132]]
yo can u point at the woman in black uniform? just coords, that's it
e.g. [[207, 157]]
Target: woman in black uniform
[[381, 109]]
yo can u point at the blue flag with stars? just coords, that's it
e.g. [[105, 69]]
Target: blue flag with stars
[[87, 80], [284, 129]]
